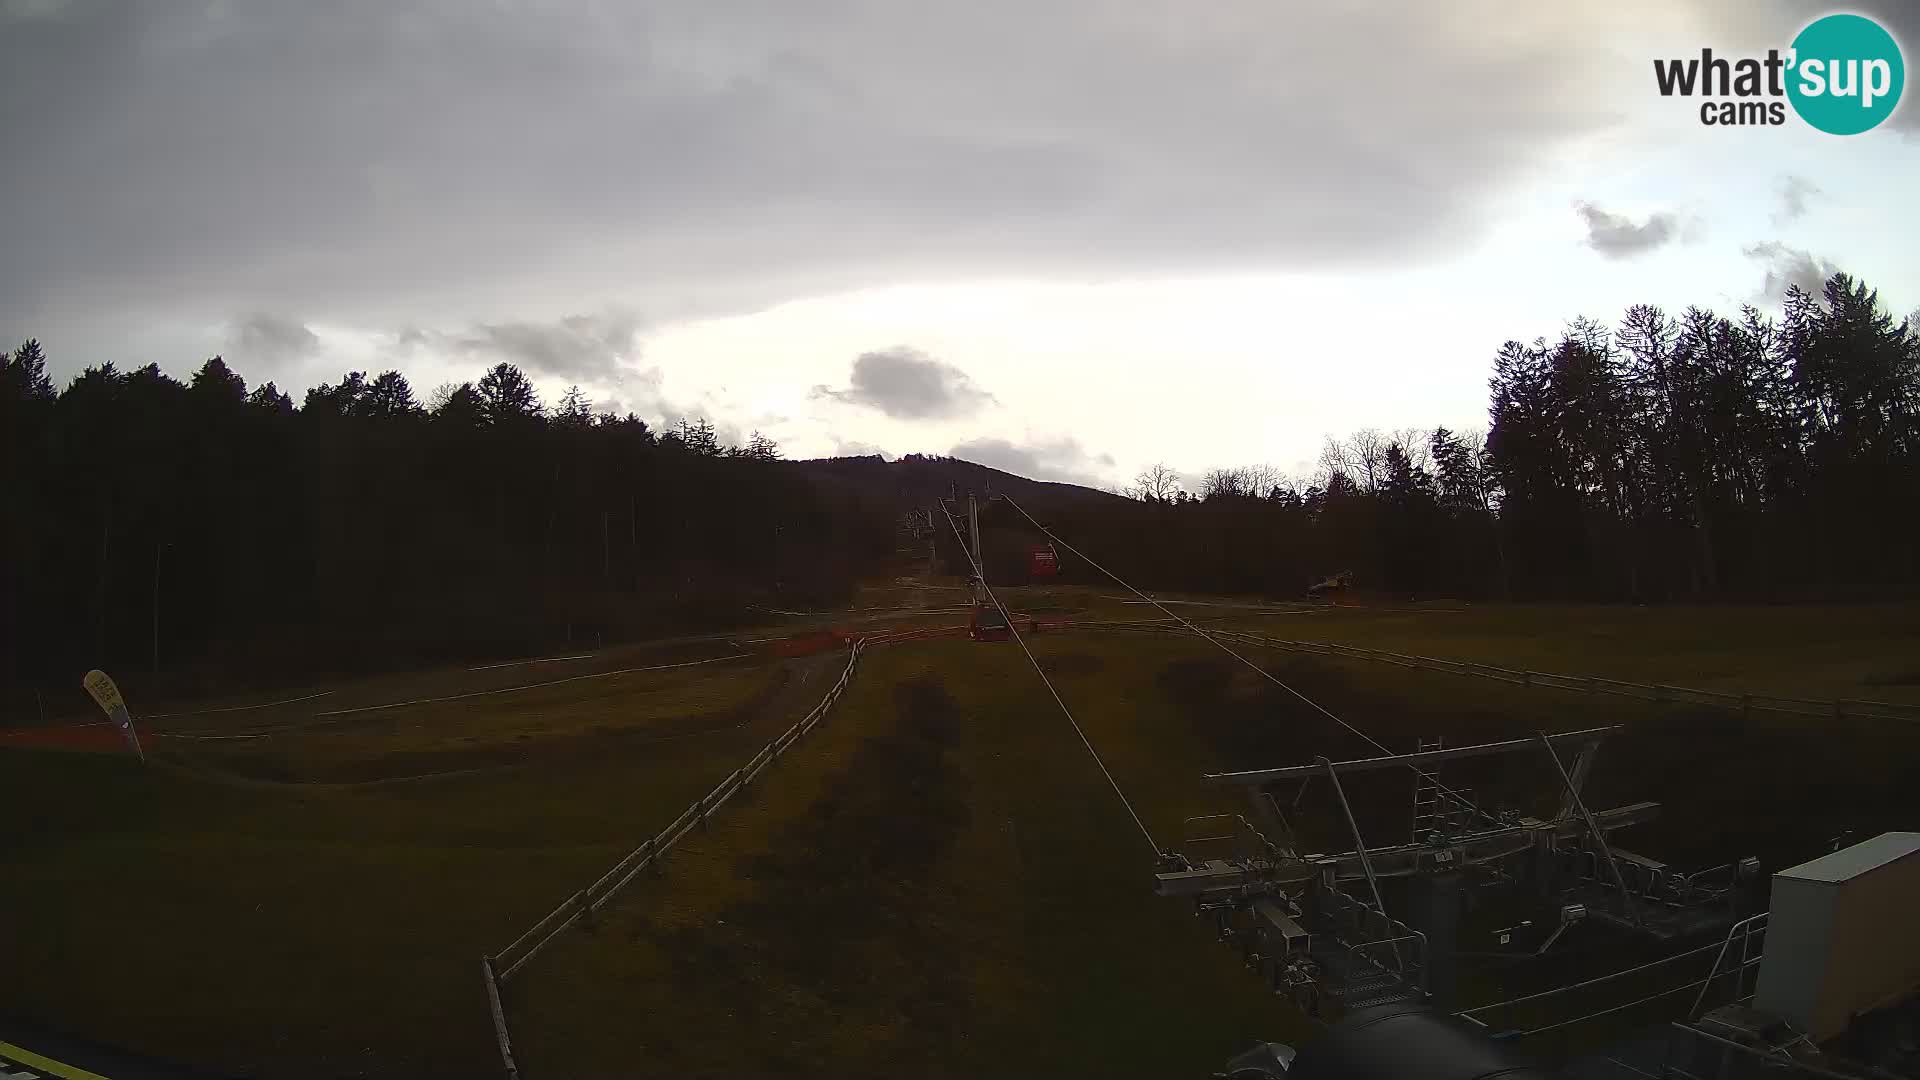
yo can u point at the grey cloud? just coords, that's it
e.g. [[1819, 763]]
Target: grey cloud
[[1617, 236], [581, 348], [907, 384], [597, 349], [856, 448], [640, 393], [390, 162], [1790, 266], [1795, 192], [271, 339], [1062, 459]]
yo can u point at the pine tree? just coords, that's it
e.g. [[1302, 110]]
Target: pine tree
[[574, 410], [507, 397], [388, 397]]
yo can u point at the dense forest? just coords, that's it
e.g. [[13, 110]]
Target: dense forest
[[202, 531], [1669, 458], [205, 532]]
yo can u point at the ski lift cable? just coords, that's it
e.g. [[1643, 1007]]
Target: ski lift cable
[[981, 576], [1217, 643]]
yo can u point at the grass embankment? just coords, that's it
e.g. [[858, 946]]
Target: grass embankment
[[1776, 785], [940, 879], [332, 930], [591, 716], [1869, 652], [943, 884], [948, 886]]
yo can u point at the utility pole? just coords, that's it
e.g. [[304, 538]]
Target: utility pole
[[158, 546], [100, 590], [979, 564]]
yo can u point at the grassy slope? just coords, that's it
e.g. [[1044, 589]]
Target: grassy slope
[[943, 884], [1862, 651], [1778, 786], [330, 931], [306, 930], [1041, 900], [588, 716]]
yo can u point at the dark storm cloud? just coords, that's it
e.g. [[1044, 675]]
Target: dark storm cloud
[[1790, 266], [1063, 459], [271, 339], [1795, 193], [400, 163], [1620, 237], [907, 384]]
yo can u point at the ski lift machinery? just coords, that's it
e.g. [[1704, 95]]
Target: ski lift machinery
[[987, 621]]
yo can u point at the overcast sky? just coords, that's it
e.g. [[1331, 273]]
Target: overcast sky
[[1069, 238]]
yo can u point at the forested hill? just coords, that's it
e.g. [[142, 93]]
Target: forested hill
[[916, 480]]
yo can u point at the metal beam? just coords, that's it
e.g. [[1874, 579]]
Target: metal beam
[[1360, 848], [1404, 859], [1218, 874], [1429, 757], [1582, 766], [1599, 837], [1399, 860]]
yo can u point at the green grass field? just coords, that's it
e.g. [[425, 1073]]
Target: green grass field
[[943, 884], [939, 880], [324, 929]]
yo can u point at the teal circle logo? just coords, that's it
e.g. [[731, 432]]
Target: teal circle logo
[[1847, 74]]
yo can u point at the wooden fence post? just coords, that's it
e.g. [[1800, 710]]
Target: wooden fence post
[[499, 1018]]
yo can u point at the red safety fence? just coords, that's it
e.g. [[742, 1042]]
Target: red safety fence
[[816, 641], [923, 633], [93, 738]]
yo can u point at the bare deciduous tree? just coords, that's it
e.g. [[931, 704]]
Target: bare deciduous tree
[[1333, 459], [1155, 483], [1260, 479], [1219, 483], [1415, 444], [1366, 457]]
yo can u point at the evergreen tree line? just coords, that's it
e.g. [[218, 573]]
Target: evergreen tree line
[[205, 531], [1668, 458], [209, 535]]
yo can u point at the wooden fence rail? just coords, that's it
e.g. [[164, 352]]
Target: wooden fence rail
[[584, 904]]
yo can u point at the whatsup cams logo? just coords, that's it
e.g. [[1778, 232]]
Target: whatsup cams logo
[[1843, 74]]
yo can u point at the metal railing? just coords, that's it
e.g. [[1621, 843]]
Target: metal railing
[[1364, 931], [498, 968], [1746, 931], [1246, 841], [1758, 1062]]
